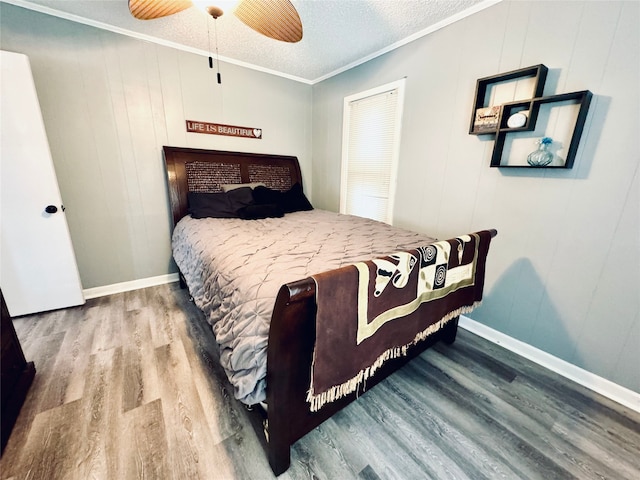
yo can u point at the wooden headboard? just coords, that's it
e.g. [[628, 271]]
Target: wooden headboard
[[196, 170]]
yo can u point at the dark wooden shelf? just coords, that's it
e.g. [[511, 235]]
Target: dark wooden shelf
[[539, 72], [583, 98], [493, 119]]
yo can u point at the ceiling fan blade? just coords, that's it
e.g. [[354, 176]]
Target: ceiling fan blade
[[277, 19], [150, 9]]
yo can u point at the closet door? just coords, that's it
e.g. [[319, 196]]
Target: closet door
[[38, 270]]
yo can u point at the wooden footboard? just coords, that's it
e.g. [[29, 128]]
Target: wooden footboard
[[290, 353], [291, 344]]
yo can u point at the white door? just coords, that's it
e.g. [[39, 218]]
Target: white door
[[38, 270], [371, 130]]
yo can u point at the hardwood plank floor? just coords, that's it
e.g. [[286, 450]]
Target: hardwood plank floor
[[128, 387]]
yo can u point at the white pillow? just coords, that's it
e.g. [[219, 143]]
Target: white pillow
[[232, 186]]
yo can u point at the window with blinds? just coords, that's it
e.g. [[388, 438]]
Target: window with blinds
[[370, 148]]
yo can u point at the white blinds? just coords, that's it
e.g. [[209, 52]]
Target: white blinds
[[370, 155]]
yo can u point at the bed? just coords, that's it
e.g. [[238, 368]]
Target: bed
[[280, 288]]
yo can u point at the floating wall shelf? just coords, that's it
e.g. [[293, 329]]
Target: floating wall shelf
[[528, 85], [539, 74]]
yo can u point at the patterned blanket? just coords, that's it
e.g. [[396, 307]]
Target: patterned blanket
[[401, 299]]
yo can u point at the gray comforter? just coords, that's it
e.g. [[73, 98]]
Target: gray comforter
[[234, 269]]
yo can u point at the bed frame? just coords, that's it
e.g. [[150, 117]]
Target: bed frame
[[292, 330]]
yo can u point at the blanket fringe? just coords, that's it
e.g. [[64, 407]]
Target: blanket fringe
[[344, 389]]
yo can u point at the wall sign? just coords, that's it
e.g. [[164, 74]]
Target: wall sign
[[220, 129]]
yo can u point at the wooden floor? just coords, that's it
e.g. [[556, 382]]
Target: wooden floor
[[128, 387]]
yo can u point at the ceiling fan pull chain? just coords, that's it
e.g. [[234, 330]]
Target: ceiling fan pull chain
[[209, 42], [215, 30], [210, 57]]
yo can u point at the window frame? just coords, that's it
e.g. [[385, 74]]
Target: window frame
[[399, 86]]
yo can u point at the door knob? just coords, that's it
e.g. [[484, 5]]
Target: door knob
[[51, 209]]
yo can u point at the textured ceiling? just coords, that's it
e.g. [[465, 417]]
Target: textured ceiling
[[336, 33]]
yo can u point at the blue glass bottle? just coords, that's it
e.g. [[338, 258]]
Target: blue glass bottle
[[541, 157]]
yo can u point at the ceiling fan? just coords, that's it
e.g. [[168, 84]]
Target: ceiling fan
[[277, 19]]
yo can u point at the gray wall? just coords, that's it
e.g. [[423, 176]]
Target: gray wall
[[110, 103], [564, 272]]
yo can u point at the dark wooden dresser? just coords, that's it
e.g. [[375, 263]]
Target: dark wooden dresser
[[17, 374]]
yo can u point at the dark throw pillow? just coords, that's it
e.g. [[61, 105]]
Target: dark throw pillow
[[292, 200], [240, 197], [219, 205], [256, 212], [266, 196]]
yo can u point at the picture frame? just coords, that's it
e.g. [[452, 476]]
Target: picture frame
[[486, 119]]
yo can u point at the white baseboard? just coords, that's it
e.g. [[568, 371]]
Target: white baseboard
[[604, 387], [128, 286]]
